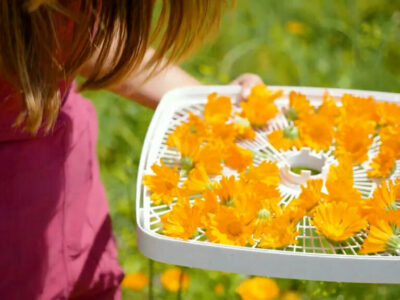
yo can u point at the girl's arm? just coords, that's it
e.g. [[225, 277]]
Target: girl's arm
[[149, 92]]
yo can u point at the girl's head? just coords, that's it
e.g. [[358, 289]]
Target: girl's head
[[44, 42]]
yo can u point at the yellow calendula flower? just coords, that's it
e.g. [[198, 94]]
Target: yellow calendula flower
[[382, 237], [217, 109], [383, 200], [198, 181], [237, 158], [291, 295], [310, 195], [259, 107], [389, 136], [194, 126], [285, 139], [229, 227], [389, 113], [182, 221], [279, 233], [135, 281], [222, 133], [174, 279], [243, 129], [299, 107], [361, 108], [316, 132], [382, 164], [338, 221], [266, 172], [207, 206], [329, 109], [258, 288], [354, 138], [227, 189], [164, 184], [266, 213]]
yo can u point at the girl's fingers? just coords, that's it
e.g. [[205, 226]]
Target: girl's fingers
[[247, 81]]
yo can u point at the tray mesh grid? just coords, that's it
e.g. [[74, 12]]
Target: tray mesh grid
[[308, 240]]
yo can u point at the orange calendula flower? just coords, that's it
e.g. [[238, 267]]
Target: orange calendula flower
[[299, 107], [197, 181], [328, 109], [389, 113], [353, 138], [338, 221], [135, 281], [243, 129], [266, 172], [381, 237], [316, 132], [291, 295], [258, 288], [217, 109], [389, 136], [207, 206], [219, 289], [264, 216], [310, 195], [229, 227], [227, 189], [279, 233], [295, 27], [285, 139], [194, 126], [223, 133], [174, 279], [163, 185], [259, 107], [383, 164], [361, 108], [383, 200], [182, 221], [237, 158]]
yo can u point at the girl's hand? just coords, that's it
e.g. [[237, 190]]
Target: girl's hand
[[247, 81]]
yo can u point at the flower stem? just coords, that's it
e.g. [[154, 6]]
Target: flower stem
[[151, 274]]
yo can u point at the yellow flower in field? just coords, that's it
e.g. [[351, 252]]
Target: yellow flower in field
[[382, 164], [389, 113], [290, 295], [295, 27], [237, 158], [219, 289], [164, 184], [316, 132], [217, 109], [258, 288], [338, 221], [266, 172], [243, 129], [135, 281], [285, 139], [197, 181], [299, 106], [354, 138], [229, 227], [259, 107], [310, 195], [381, 237], [280, 232], [194, 126], [182, 221], [175, 278]]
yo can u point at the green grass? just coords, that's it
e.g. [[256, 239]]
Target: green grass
[[346, 44]]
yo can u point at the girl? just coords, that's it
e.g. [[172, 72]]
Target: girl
[[55, 230]]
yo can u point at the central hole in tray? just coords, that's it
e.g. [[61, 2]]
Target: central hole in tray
[[302, 165]]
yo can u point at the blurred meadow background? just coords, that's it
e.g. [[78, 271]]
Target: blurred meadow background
[[347, 44]]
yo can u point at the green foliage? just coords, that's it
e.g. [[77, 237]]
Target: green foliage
[[346, 44]]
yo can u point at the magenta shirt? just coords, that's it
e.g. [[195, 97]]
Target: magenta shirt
[[55, 230]]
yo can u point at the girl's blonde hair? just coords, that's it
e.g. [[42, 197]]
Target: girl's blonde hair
[[35, 58]]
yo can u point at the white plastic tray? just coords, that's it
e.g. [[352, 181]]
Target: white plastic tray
[[313, 258]]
